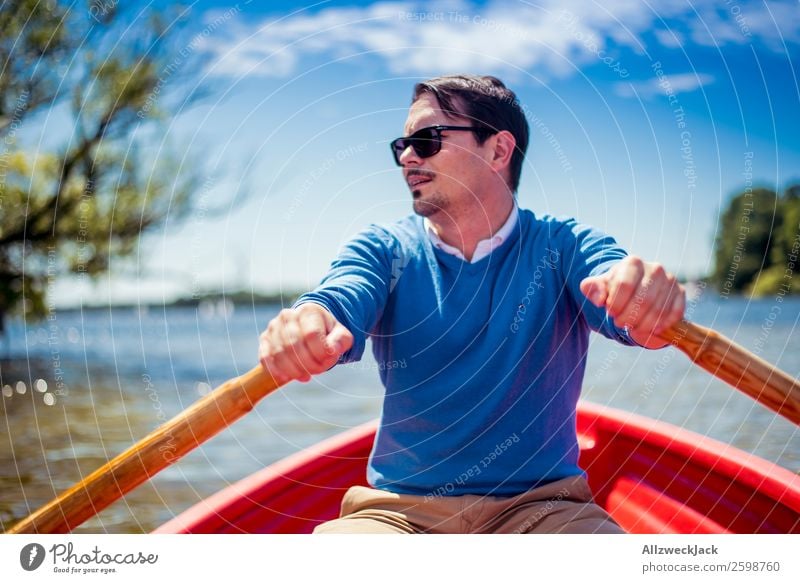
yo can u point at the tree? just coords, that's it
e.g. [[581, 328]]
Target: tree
[[757, 243], [76, 208], [781, 277]]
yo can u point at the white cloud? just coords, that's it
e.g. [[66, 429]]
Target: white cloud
[[670, 38], [681, 83], [548, 38]]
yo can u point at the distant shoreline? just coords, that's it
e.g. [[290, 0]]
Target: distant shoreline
[[233, 299], [240, 298]]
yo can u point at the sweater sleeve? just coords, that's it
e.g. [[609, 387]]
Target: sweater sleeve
[[587, 252], [356, 287]]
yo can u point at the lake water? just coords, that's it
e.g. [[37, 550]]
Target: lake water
[[83, 387]]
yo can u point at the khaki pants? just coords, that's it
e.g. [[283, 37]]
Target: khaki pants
[[564, 506]]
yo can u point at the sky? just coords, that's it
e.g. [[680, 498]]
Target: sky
[[645, 118]]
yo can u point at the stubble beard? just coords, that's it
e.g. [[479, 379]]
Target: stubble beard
[[428, 207]]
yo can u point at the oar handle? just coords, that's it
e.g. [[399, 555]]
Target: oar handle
[[738, 367], [161, 448]]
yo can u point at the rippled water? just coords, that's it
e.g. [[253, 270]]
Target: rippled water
[[110, 377]]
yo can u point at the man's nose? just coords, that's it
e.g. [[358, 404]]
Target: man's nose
[[409, 157]]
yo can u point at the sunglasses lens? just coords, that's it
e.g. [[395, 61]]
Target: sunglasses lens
[[426, 143], [398, 147]]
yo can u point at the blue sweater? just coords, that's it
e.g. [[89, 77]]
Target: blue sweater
[[482, 362]]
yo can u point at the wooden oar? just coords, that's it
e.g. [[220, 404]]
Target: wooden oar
[[161, 448], [728, 361], [710, 350]]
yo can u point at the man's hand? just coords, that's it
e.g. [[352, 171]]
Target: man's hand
[[302, 342], [639, 295]]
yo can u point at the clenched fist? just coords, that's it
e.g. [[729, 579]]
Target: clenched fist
[[640, 295], [301, 342]]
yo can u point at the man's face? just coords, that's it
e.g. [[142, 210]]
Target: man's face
[[451, 180]]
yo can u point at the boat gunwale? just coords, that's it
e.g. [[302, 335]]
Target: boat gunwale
[[594, 420]]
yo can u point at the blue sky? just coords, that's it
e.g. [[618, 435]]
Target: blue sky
[[645, 118]]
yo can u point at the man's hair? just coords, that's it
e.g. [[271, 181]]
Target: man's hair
[[487, 103]]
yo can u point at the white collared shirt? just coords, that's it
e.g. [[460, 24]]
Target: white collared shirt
[[484, 246]]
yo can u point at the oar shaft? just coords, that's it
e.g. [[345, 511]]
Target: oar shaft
[[161, 448], [738, 367]]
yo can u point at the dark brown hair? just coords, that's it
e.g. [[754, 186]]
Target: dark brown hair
[[487, 103]]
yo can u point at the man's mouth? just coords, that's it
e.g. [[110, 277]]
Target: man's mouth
[[415, 180]]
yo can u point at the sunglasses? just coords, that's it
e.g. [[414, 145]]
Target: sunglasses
[[428, 141]]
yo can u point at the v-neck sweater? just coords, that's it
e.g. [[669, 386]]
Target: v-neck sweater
[[483, 362]]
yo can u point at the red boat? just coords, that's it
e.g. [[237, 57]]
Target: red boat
[[652, 477]]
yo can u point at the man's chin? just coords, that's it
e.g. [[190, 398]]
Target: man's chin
[[425, 209]]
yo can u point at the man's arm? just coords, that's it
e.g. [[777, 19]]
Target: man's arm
[[330, 324], [639, 295]]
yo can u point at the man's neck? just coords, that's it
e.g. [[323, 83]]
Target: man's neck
[[466, 231]]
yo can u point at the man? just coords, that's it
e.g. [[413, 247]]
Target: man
[[486, 305]]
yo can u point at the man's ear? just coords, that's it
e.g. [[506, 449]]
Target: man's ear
[[504, 145]]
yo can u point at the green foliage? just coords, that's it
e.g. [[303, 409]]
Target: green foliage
[[757, 244], [79, 208], [773, 281]]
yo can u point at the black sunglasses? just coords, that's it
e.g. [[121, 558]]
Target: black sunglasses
[[428, 141]]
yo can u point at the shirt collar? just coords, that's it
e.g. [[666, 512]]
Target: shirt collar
[[484, 246]]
